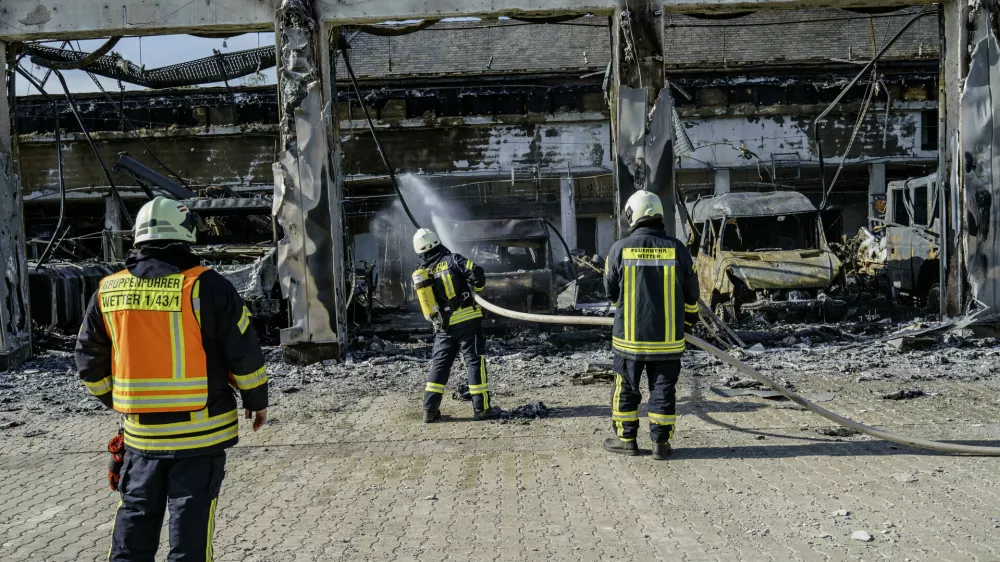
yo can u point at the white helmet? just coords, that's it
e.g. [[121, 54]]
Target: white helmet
[[642, 204], [164, 219], [425, 240]]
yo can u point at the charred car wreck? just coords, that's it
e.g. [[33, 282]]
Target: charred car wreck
[[517, 257], [763, 252], [912, 238]]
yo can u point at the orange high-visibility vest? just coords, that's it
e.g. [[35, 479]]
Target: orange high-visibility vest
[[155, 327]]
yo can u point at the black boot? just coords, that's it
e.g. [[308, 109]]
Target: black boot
[[490, 414], [431, 416], [661, 451], [616, 445]]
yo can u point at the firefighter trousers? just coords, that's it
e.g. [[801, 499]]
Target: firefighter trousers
[[469, 338], [661, 377], [188, 486]]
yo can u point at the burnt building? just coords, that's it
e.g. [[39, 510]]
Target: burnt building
[[495, 119]]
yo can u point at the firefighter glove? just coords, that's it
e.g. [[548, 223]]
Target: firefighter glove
[[117, 449]]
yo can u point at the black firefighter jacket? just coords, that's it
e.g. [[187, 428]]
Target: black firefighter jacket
[[231, 348], [650, 278], [454, 276]]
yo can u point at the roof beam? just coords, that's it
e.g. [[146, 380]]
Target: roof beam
[[374, 11], [721, 6], [87, 19], [22, 20]]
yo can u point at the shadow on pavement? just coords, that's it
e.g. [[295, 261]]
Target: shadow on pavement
[[823, 449]]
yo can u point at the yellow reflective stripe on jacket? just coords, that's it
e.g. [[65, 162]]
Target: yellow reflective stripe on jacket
[[178, 436], [124, 386], [251, 381], [114, 338], [100, 387], [648, 347], [177, 345], [465, 314], [244, 322], [154, 405], [478, 289], [469, 265], [691, 308], [442, 272], [628, 309], [668, 302]]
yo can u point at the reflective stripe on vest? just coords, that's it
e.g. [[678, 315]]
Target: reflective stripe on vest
[[159, 362]]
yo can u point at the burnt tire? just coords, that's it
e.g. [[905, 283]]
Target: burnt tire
[[725, 312]]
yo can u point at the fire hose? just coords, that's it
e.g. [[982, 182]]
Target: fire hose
[[759, 377]]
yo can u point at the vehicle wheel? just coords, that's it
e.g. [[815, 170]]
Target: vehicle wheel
[[933, 298], [725, 312]]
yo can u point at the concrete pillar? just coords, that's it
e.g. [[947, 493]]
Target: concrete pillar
[[567, 208], [305, 202], [113, 248], [641, 159], [954, 68], [15, 317], [722, 181], [876, 189]]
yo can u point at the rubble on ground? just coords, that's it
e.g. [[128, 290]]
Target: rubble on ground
[[524, 414], [522, 359]]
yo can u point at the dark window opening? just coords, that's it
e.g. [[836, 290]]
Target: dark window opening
[[586, 235], [929, 129], [920, 209], [833, 224], [899, 214], [777, 233]]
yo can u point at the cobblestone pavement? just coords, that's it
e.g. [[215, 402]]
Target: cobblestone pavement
[[750, 480]]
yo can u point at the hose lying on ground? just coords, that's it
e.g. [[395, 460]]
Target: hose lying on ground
[[756, 375]]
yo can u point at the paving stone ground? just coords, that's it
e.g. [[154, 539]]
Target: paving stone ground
[[750, 480]]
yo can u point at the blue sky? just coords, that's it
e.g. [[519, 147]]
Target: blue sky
[[150, 51]]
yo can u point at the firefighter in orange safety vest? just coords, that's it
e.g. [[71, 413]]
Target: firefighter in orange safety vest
[[163, 343]]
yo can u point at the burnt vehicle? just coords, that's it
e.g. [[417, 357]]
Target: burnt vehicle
[[912, 239], [517, 257], [763, 252]]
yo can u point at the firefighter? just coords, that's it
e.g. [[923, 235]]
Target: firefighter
[[650, 278], [164, 342], [444, 284]]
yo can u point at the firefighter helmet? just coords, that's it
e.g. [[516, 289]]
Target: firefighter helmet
[[164, 219], [425, 240], [642, 204]]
